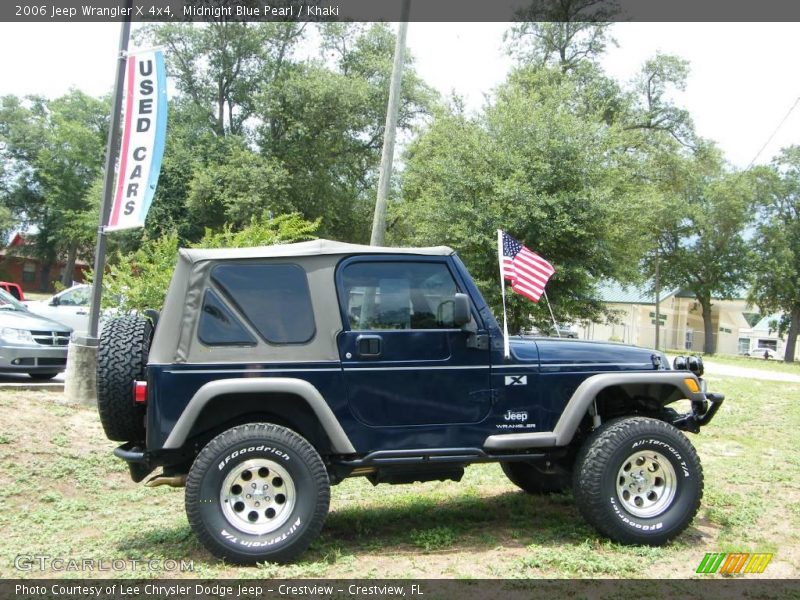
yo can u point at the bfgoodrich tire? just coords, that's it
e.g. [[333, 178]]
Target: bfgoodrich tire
[[534, 478], [121, 360], [257, 493], [638, 481]]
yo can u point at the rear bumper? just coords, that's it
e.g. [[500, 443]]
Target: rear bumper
[[138, 463]]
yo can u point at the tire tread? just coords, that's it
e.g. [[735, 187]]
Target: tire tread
[[121, 359], [595, 455], [251, 432]]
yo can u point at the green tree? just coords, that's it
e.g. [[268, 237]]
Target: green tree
[[324, 121], [54, 153], [220, 66], [541, 163], [139, 279], [562, 33], [244, 185], [704, 251], [776, 268]]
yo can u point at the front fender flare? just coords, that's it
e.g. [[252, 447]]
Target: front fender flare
[[579, 403], [339, 440]]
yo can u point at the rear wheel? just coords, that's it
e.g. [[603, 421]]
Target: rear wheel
[[121, 360], [638, 481], [256, 493], [537, 478]]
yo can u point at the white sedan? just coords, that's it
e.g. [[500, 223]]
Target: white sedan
[[69, 307]]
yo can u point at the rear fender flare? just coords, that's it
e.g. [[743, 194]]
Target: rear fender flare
[[340, 442]]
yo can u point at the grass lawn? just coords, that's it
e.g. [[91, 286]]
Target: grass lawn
[[65, 495]]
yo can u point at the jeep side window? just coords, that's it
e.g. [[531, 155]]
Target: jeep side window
[[399, 295], [219, 327], [274, 298]]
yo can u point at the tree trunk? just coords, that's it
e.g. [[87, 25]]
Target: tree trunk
[[709, 345], [69, 268], [791, 336], [44, 282]]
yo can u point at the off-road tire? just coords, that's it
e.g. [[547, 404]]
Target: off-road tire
[[600, 470], [535, 479], [42, 376], [212, 516], [121, 360]]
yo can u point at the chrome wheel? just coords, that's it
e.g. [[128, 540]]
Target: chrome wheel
[[257, 496], [646, 484]]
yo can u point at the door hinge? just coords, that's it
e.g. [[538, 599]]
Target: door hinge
[[479, 341]]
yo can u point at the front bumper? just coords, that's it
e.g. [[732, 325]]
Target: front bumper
[[33, 359], [701, 414]]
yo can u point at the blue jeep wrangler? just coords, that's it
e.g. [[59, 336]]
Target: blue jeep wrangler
[[272, 373]]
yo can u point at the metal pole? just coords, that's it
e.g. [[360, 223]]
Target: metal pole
[[658, 300], [387, 156], [108, 183]]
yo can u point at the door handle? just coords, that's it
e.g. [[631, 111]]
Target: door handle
[[369, 346], [81, 312]]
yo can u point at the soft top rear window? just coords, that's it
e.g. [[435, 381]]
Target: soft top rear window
[[274, 298]]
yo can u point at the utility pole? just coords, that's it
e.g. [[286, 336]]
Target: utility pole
[[387, 155], [658, 298], [80, 381], [108, 182]]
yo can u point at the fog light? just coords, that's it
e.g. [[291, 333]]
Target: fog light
[[695, 365], [679, 363]]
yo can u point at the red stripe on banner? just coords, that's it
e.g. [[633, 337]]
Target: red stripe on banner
[[126, 139]]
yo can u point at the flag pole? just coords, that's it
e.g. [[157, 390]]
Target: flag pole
[[506, 348], [552, 316], [108, 183]]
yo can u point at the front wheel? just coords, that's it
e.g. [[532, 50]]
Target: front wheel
[[638, 481], [257, 493]]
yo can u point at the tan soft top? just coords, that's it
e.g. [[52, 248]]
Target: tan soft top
[[312, 248], [175, 340]]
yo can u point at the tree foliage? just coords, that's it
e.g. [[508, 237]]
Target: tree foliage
[[139, 279], [53, 152], [776, 247], [540, 164]]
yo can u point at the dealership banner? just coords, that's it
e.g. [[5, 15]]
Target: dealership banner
[[143, 135]]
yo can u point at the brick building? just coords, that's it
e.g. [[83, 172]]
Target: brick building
[[18, 266]]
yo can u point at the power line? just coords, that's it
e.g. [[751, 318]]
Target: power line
[[796, 102]]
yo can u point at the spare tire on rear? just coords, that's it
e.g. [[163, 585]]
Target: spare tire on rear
[[121, 360]]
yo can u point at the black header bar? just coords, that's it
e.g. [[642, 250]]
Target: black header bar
[[389, 10]]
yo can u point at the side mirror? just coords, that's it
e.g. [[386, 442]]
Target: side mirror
[[54, 301], [461, 311]]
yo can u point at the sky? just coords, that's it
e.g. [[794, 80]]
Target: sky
[[743, 78]]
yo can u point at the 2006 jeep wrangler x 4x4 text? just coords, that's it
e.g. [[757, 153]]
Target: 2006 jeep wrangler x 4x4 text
[[274, 372]]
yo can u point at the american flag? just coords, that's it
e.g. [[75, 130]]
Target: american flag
[[527, 271]]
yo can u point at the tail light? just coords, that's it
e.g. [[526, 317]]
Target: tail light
[[139, 392]]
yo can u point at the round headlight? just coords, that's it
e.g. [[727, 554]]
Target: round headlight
[[695, 365], [679, 363]]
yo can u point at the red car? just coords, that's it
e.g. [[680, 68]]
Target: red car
[[14, 289]]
